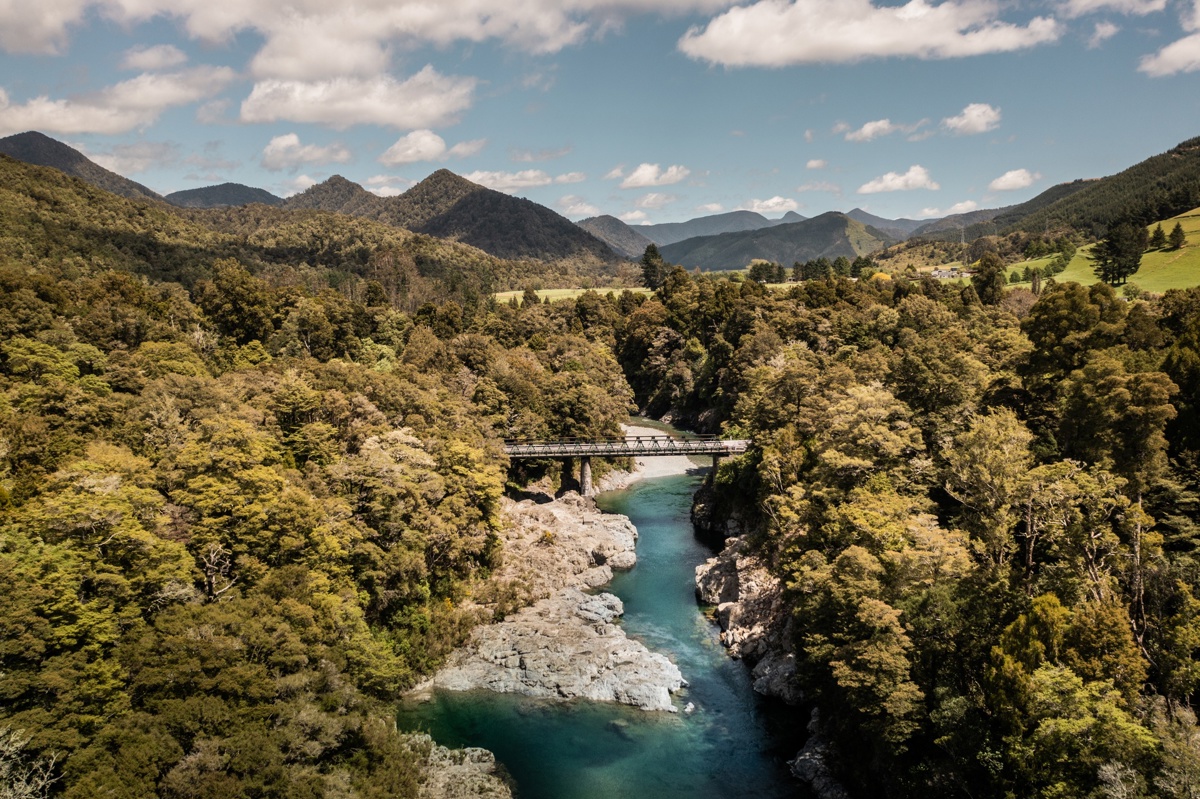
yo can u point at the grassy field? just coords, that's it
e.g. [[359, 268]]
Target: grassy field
[[566, 294], [1160, 270]]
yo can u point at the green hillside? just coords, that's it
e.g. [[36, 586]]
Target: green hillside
[[1160, 270], [828, 235]]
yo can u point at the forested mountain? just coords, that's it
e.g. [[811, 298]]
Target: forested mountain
[[616, 234], [828, 235], [448, 206], [222, 195], [731, 222], [241, 514], [48, 215], [1158, 188], [37, 148], [896, 228]]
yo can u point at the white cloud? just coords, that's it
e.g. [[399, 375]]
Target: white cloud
[[152, 59], [966, 206], [775, 33], [571, 177], [135, 103], [532, 156], [648, 175], [510, 181], [882, 127], [572, 205], [710, 208], [633, 216], [655, 200], [315, 39], [775, 205], [1102, 33], [39, 27], [1179, 56], [616, 172], [975, 118], [213, 112], [809, 135], [128, 159], [286, 152], [297, 185], [421, 145], [820, 185], [387, 185], [816, 163], [917, 177], [425, 100], [1078, 8], [1014, 179]]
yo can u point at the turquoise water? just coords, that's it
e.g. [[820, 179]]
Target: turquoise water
[[583, 750]]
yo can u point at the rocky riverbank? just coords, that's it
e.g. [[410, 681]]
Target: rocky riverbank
[[756, 626], [561, 642], [469, 773]]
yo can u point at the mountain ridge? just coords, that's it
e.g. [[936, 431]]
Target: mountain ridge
[[33, 147]]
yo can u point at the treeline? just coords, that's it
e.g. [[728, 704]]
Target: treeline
[[984, 512], [236, 521]]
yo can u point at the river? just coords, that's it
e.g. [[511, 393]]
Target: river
[[727, 747]]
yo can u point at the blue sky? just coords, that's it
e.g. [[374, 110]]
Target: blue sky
[[650, 110]]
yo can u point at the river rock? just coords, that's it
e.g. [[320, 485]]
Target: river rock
[[468, 773], [753, 618], [565, 646], [568, 542], [811, 764]]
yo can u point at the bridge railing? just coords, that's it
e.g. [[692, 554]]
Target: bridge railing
[[624, 447]]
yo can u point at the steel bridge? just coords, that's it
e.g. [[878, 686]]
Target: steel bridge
[[629, 447]]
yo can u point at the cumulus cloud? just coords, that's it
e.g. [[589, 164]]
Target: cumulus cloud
[[963, 207], [775, 33], [816, 163], [313, 39], [616, 173], [917, 177], [655, 200], [975, 118], [286, 152], [153, 59], [1014, 179], [1140, 8], [633, 216], [427, 99], [135, 103], [1179, 56], [525, 179], [572, 205], [387, 185], [882, 127], [647, 175], [425, 145], [1101, 34], [297, 185], [128, 159], [710, 208], [774, 205]]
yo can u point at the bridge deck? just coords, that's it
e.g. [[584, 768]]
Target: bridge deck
[[624, 447]]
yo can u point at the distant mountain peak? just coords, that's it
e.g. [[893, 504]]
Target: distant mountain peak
[[37, 148]]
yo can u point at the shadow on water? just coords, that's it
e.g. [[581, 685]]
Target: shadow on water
[[584, 750]]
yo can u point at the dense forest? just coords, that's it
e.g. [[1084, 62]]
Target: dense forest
[[251, 492]]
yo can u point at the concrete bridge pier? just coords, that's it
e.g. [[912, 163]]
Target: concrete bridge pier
[[585, 476]]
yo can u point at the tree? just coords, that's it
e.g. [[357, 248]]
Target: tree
[[1119, 254], [989, 280], [1177, 238], [1158, 239], [654, 268]]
